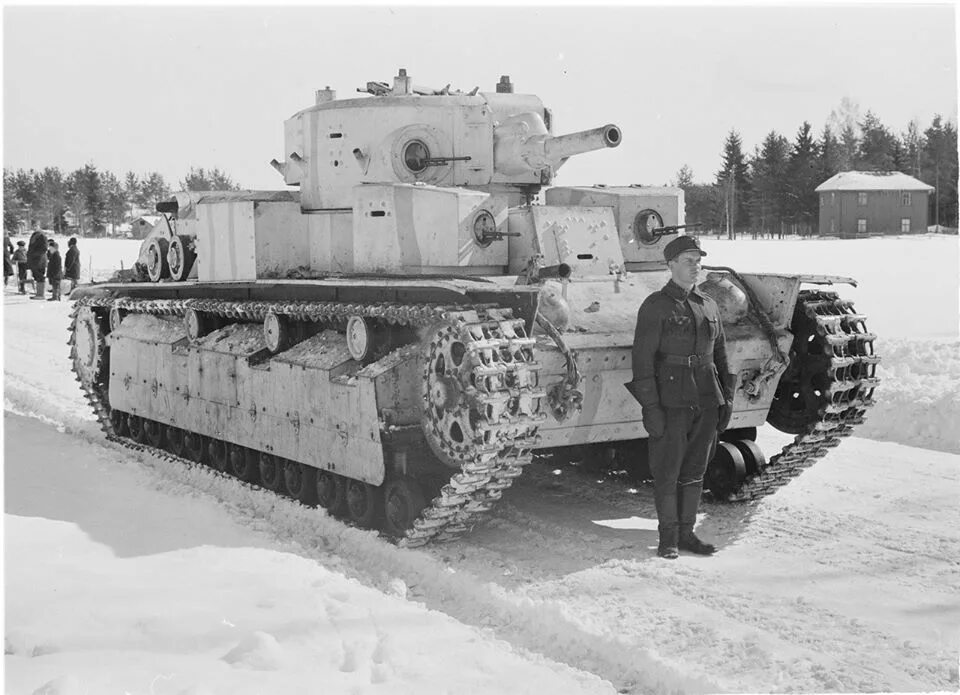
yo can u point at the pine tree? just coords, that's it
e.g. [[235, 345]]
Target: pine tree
[[802, 179], [829, 160], [199, 179], [734, 182], [913, 146], [940, 170], [875, 149], [684, 178], [768, 169]]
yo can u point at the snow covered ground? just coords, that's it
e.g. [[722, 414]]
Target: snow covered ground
[[126, 573]]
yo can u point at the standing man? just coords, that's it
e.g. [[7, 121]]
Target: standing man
[[37, 261], [681, 379], [71, 264], [7, 258], [20, 258], [54, 270]]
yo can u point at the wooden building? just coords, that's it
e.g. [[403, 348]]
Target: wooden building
[[867, 203]]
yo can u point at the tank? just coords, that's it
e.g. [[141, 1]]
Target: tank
[[421, 313]]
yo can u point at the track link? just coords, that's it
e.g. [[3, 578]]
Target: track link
[[850, 380]]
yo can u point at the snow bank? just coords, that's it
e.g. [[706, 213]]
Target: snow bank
[[918, 400]]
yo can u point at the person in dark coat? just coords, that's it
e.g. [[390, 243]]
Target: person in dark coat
[[37, 261], [682, 381], [71, 264], [7, 258], [54, 270], [20, 258]]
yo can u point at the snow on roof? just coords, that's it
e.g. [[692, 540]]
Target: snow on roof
[[149, 219], [872, 181]]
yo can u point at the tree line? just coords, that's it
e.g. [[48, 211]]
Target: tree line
[[772, 188], [41, 199]]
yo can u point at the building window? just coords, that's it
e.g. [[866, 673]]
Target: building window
[[861, 226], [862, 198], [833, 198], [905, 198], [905, 224]]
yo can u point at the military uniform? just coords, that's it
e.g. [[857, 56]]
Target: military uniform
[[682, 381]]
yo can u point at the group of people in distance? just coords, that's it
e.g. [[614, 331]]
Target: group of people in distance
[[41, 256]]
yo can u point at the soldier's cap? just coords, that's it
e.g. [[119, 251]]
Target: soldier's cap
[[21, 243], [681, 244]]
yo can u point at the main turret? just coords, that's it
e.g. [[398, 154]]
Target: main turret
[[484, 141]]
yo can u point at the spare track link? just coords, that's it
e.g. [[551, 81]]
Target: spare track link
[[852, 380], [472, 491]]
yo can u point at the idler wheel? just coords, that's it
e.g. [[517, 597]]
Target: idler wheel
[[180, 257], [244, 464], [361, 340], [176, 441], [363, 503], [301, 482], [403, 501], [118, 419], [217, 449], [271, 473], [153, 432], [332, 492], [726, 471], [195, 447], [157, 266], [277, 332], [137, 430], [88, 346]]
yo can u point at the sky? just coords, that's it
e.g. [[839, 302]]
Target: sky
[[154, 88]]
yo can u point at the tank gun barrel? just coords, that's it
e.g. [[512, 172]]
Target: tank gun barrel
[[522, 144], [562, 146]]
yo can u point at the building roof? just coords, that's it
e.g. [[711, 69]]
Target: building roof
[[872, 181], [149, 219]]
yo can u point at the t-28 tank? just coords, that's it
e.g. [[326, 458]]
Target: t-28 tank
[[397, 336]]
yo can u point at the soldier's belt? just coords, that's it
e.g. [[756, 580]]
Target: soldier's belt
[[685, 360]]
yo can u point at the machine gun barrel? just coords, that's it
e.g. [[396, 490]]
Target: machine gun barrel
[[562, 146]]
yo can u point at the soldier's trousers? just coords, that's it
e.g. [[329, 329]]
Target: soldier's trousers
[[678, 461]]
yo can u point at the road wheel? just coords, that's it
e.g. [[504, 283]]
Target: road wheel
[[332, 492], [176, 443], [195, 447], [118, 419], [153, 431], [271, 473], [402, 503], [726, 471], [363, 503], [218, 455], [244, 464]]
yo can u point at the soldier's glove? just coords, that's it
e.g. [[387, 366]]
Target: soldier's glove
[[654, 420], [723, 417]]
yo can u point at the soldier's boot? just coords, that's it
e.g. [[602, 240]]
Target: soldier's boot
[[688, 499], [41, 285], [667, 525], [21, 289]]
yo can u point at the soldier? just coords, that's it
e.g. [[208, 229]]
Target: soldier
[[680, 378], [71, 264]]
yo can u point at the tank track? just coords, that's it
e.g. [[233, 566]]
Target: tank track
[[486, 470], [849, 391]]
